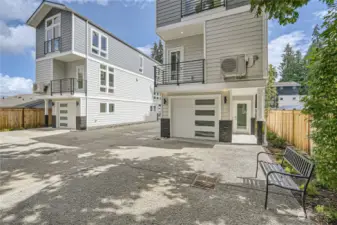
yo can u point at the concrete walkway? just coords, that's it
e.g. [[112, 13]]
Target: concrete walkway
[[127, 176]]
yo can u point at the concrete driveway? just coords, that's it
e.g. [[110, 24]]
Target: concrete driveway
[[128, 175]]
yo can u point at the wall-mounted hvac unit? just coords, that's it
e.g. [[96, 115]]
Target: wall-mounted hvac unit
[[233, 66], [38, 88]]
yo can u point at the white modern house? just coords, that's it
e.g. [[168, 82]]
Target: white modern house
[[288, 96], [91, 77], [214, 74]]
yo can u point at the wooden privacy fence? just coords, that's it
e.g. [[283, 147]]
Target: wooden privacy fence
[[293, 126], [16, 118]]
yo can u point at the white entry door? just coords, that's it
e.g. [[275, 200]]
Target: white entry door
[[67, 115], [241, 117]]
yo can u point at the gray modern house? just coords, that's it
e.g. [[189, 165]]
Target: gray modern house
[[91, 77], [288, 96], [215, 67]]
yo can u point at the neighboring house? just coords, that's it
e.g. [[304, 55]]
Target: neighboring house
[[22, 101], [215, 67], [91, 77], [157, 105], [288, 96]]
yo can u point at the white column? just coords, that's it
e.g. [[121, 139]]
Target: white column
[[260, 104], [46, 105]]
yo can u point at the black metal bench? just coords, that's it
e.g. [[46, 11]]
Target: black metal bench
[[276, 175]]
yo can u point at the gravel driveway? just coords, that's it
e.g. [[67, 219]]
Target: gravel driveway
[[127, 175]]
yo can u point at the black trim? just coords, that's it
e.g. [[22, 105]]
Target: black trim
[[252, 126], [260, 132], [53, 121], [46, 120], [165, 128], [225, 130]]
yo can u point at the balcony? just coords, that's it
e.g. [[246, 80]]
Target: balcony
[[52, 45], [190, 7], [68, 86], [180, 73]]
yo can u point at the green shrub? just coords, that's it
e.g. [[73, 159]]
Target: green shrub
[[278, 142], [271, 136], [329, 213], [311, 189]]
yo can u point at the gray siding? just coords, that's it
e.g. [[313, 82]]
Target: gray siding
[[79, 34], [168, 12], [233, 35], [59, 70], [122, 55], [66, 69], [287, 91], [231, 4], [193, 47], [44, 71], [66, 32]]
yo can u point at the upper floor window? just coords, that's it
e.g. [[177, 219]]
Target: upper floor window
[[141, 64], [99, 44], [294, 88], [107, 80], [52, 33]]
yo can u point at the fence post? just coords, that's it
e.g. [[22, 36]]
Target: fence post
[[23, 117]]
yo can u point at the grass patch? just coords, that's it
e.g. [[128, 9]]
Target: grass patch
[[328, 212]]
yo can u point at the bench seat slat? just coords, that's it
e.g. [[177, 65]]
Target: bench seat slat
[[278, 179]]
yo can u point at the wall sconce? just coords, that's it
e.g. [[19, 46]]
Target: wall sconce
[[225, 99], [53, 104], [77, 103], [165, 101]]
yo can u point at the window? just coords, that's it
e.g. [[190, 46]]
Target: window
[[204, 102], [103, 107], [52, 33], [111, 80], [99, 44], [141, 64], [151, 108], [281, 98], [294, 98], [154, 108], [281, 88], [103, 78], [294, 88], [111, 108], [204, 112], [204, 134]]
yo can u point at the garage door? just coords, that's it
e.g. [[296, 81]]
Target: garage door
[[67, 115], [195, 118]]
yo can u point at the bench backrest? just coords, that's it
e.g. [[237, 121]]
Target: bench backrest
[[300, 163]]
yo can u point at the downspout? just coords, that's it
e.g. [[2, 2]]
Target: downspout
[[86, 72]]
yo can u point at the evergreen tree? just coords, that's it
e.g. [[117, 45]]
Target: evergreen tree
[[157, 51], [271, 94]]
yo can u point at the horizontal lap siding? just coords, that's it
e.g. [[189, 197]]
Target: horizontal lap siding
[[125, 112], [193, 47], [168, 12], [79, 34], [231, 4], [59, 69], [44, 71], [122, 55], [66, 32], [233, 35]]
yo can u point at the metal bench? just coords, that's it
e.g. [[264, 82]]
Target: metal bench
[[276, 175]]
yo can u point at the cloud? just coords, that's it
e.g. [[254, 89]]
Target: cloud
[[321, 14], [16, 39], [33, 53], [146, 49], [297, 39], [14, 85]]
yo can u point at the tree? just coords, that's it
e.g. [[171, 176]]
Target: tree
[[321, 101], [157, 51], [285, 11], [293, 67], [271, 94]]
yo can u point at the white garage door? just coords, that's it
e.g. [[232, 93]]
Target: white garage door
[[67, 115], [195, 118]]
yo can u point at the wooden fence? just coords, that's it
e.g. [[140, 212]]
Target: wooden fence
[[293, 126], [16, 118]]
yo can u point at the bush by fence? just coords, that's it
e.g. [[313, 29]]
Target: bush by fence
[[16, 118], [293, 126]]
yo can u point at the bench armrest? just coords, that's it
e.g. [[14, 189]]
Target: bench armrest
[[267, 153], [287, 174]]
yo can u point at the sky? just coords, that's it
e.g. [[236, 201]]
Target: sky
[[131, 20]]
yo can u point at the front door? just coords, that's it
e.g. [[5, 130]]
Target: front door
[[80, 77], [175, 57], [241, 117]]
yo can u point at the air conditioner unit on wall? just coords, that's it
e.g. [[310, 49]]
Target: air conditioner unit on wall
[[234, 66], [38, 88]]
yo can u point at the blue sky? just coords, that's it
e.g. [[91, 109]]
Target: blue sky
[[131, 20]]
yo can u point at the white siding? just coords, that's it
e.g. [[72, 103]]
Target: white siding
[[233, 35], [289, 100], [71, 68], [44, 71], [125, 112], [193, 47], [79, 34], [59, 69]]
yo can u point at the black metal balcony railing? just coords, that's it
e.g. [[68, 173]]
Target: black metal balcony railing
[[52, 45], [68, 85], [180, 73], [189, 7]]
